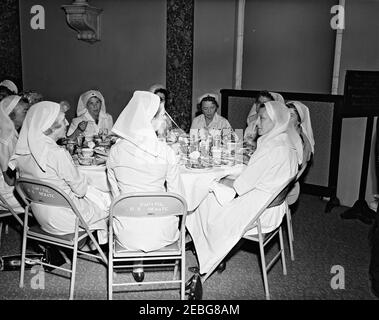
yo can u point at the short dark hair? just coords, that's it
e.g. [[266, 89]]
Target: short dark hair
[[209, 98], [265, 94], [162, 90]]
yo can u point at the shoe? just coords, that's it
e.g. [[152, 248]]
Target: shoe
[[221, 267], [138, 275], [194, 287]]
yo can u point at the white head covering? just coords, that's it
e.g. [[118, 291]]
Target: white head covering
[[82, 103], [7, 128], [155, 87], [277, 97], [10, 85], [134, 122], [280, 115], [213, 95], [305, 120], [32, 140]]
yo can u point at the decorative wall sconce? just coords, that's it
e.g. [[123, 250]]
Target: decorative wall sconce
[[84, 19]]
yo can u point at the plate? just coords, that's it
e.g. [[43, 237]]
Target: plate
[[201, 169]]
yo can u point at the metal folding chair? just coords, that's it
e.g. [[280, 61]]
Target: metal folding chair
[[6, 210], [149, 204], [38, 192], [291, 201], [263, 239]]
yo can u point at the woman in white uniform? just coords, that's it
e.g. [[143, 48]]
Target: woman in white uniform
[[216, 228], [91, 115], [12, 114], [140, 162], [301, 124], [209, 118], [37, 156]]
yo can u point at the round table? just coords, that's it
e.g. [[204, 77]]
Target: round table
[[196, 182], [96, 175]]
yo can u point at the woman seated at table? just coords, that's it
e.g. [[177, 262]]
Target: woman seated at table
[[301, 123], [139, 162], [12, 114], [37, 156], [216, 228], [251, 133], [163, 94], [91, 116], [209, 118]]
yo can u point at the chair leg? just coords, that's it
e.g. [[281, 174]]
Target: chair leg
[[282, 251], [6, 228], [290, 233], [176, 269], [23, 252], [182, 277], [110, 278], [1, 229], [73, 270], [264, 269]]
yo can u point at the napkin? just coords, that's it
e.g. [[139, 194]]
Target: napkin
[[102, 199], [223, 193]]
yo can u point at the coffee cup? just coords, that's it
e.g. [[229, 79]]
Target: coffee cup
[[87, 152]]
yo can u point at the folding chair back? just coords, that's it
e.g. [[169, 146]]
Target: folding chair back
[[148, 204], [39, 192]]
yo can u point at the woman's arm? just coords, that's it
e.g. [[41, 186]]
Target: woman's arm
[[67, 171]]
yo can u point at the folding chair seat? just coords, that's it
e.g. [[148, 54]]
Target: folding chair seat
[[149, 204], [291, 201], [6, 210], [38, 192], [264, 238]]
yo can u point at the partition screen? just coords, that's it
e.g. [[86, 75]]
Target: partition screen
[[322, 174]]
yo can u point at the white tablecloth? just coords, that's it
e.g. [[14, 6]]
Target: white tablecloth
[[97, 176], [196, 182]]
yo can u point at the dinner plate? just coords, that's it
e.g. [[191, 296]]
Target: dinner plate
[[199, 169]]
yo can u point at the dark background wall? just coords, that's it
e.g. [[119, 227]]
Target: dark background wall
[[214, 40], [288, 45], [10, 45], [131, 54]]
